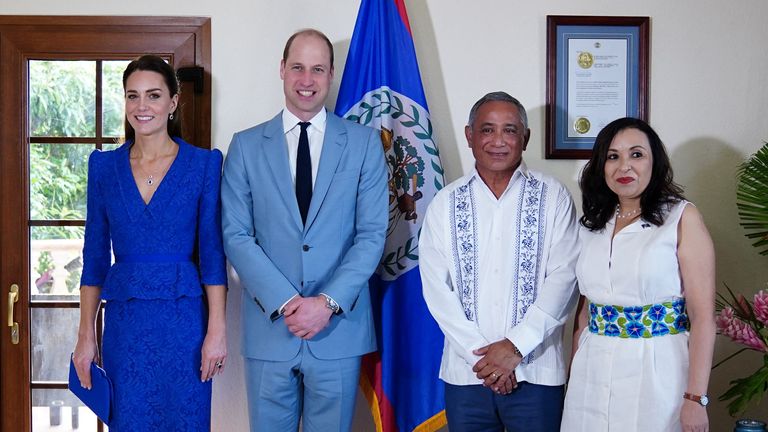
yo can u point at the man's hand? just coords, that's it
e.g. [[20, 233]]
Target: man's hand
[[306, 316], [498, 362]]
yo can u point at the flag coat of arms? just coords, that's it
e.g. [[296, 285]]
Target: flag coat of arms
[[381, 88]]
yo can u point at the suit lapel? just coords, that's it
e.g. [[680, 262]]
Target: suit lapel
[[334, 142], [276, 152]]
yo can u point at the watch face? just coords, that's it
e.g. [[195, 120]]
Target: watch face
[[704, 400]]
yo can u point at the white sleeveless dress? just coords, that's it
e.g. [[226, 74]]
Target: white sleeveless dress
[[629, 384]]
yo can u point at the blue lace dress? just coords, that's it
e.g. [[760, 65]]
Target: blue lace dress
[[155, 315]]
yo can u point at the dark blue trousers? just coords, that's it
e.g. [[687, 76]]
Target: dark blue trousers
[[529, 408]]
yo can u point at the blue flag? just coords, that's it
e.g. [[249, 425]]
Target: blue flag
[[381, 88]]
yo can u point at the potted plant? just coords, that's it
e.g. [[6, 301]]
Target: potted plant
[[44, 268], [744, 321]]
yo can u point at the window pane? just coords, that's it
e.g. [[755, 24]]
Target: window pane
[[113, 100], [62, 98], [110, 146], [55, 262], [60, 410], [54, 334], [58, 177]]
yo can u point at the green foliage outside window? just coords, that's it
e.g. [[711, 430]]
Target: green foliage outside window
[[62, 104]]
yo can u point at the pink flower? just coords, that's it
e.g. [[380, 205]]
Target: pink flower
[[739, 331], [761, 306]]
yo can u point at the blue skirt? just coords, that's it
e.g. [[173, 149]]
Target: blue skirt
[[152, 354]]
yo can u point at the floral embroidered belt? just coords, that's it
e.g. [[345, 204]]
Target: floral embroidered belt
[[634, 322]]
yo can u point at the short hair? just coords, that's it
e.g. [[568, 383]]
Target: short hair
[[307, 32], [599, 202], [154, 63], [498, 96]]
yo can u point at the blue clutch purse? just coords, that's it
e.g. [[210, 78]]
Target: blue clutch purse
[[99, 397]]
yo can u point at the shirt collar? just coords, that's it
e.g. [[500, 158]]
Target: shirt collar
[[290, 120], [522, 170]]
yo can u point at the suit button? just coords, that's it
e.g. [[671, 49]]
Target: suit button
[[305, 248]]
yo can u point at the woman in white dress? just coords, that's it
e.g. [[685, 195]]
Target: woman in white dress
[[645, 328]]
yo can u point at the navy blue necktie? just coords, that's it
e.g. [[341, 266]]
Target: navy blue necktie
[[303, 173]]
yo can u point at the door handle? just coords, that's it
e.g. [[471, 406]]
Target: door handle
[[13, 297]]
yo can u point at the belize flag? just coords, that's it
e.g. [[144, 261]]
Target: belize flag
[[381, 88]]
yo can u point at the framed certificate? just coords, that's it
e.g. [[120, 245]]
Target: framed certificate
[[597, 71]]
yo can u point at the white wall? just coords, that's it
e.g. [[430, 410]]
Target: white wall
[[707, 101]]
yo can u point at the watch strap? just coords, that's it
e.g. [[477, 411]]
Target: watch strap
[[702, 400]]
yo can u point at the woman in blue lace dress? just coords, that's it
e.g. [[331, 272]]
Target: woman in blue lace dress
[[154, 204]]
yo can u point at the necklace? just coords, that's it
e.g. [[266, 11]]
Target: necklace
[[150, 178], [627, 215]]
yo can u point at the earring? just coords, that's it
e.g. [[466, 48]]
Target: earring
[[170, 117]]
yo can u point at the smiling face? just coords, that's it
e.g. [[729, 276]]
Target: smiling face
[[497, 138], [306, 73], [148, 102], [628, 165]]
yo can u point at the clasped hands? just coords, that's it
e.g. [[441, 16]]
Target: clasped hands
[[497, 366], [306, 316]]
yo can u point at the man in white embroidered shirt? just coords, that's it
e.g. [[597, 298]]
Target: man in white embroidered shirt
[[497, 256]]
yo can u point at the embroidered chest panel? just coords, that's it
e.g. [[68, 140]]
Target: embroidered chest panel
[[530, 230]]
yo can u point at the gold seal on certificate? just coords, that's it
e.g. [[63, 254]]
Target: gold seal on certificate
[[581, 125], [585, 59]]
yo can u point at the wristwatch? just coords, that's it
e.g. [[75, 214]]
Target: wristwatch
[[702, 400], [331, 304]]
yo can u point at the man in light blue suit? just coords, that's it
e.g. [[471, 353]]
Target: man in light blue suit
[[304, 215]]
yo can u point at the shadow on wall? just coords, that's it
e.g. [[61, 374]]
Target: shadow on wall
[[706, 168], [340, 51]]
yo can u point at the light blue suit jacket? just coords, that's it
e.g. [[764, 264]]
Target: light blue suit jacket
[[276, 256]]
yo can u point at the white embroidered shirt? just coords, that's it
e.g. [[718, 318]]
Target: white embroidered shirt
[[501, 268]]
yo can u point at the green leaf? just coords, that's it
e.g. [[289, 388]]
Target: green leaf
[[398, 103], [669, 319], [751, 197], [438, 185], [438, 169], [421, 135], [745, 390], [621, 321], [353, 118], [390, 257], [415, 113], [389, 271], [430, 150], [409, 123]]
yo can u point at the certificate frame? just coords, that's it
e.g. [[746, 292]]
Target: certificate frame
[[564, 138]]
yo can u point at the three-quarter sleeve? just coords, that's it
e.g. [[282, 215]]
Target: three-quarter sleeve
[[97, 253], [212, 260]]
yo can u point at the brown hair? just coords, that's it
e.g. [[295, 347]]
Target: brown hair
[[154, 63]]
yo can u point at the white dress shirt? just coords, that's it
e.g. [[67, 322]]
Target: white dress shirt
[[315, 133], [501, 268]]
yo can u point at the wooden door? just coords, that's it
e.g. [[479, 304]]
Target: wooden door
[[60, 98]]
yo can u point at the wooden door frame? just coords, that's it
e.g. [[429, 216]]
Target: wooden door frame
[[27, 37]]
